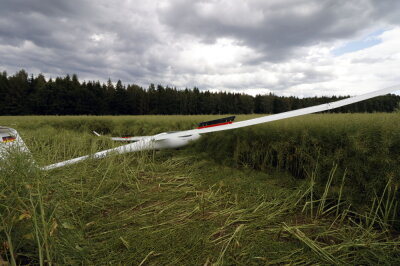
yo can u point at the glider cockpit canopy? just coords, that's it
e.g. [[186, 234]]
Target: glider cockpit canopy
[[217, 122]]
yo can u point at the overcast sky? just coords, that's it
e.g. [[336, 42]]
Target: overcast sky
[[288, 47]]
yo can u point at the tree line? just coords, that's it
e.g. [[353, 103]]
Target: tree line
[[21, 94]]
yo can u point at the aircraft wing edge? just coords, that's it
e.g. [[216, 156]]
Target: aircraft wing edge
[[289, 114]]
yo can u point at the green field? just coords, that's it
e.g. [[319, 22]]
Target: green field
[[319, 189]]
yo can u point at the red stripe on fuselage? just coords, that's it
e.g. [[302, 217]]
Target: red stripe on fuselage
[[215, 125]]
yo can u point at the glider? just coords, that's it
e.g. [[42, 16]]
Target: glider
[[10, 139]]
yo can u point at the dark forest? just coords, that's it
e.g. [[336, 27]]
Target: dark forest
[[24, 94]]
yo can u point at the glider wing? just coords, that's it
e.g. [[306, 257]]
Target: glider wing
[[280, 116], [145, 144], [124, 139], [129, 139]]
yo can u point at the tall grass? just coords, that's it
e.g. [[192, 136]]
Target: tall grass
[[180, 207], [364, 146], [340, 237]]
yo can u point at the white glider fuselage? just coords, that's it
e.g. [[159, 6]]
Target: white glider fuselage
[[163, 141]]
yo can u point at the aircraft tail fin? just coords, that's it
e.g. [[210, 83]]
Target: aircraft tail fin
[[97, 134], [10, 141]]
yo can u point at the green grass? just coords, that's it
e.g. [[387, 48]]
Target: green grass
[[364, 146], [179, 207]]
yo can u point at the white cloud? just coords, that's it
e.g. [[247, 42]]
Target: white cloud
[[97, 37], [362, 71]]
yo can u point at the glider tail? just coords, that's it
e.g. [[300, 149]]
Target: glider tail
[[11, 142]]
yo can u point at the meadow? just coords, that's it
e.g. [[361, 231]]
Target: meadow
[[318, 189]]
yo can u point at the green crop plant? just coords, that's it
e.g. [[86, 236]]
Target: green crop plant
[[321, 189]]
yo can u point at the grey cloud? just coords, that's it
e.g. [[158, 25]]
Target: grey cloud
[[61, 31], [141, 43], [284, 27], [67, 24]]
